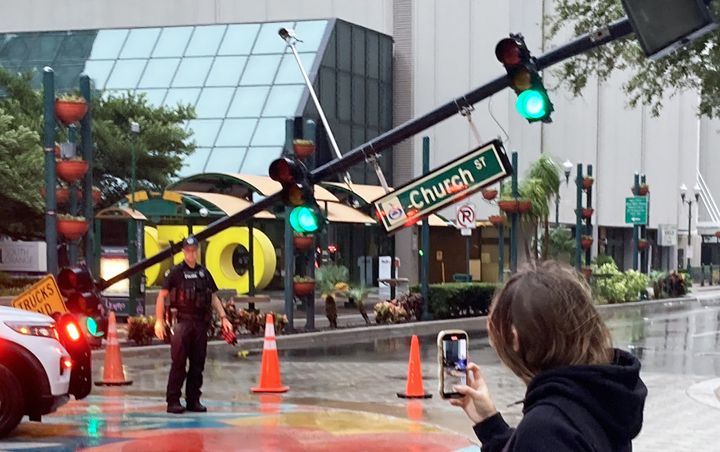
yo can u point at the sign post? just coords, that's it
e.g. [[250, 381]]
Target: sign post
[[446, 185], [466, 221]]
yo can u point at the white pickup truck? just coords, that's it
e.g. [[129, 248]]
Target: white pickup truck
[[42, 362]]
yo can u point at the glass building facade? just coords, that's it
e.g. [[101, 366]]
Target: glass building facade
[[242, 80]]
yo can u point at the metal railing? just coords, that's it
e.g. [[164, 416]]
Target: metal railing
[[708, 200]]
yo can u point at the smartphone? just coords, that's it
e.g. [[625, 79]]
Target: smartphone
[[452, 362]]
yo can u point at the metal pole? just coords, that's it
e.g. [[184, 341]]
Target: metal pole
[[636, 229], [392, 137], [289, 37], [643, 234], [135, 129], [251, 250], [589, 229], [557, 210], [425, 230], [87, 154], [514, 216], [467, 254], [289, 272], [310, 133], [501, 253], [690, 203], [50, 176], [72, 245], [578, 217]]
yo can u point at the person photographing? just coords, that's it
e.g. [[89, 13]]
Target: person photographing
[[582, 394], [192, 291]]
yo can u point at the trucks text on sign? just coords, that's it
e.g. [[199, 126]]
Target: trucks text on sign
[[43, 297]]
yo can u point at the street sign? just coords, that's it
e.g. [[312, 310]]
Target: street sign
[[466, 232], [667, 235], [43, 297], [446, 185], [636, 210], [465, 217]]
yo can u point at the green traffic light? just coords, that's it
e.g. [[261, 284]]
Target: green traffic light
[[532, 104], [421, 252], [304, 219], [92, 326]]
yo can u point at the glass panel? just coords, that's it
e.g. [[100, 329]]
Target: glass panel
[[290, 72], [195, 162], [328, 99], [358, 100], [283, 100], [385, 106], [270, 131], [107, 44], [343, 96], [205, 40], [76, 46], [257, 161], [159, 72], [358, 136], [261, 69], [226, 71], [311, 32], [248, 101], [213, 102], [43, 48], [126, 74], [373, 102], [385, 60], [268, 40], [67, 76], [342, 31], [225, 160], [184, 96], [239, 39], [154, 96], [236, 132], [140, 43], [373, 50], [192, 71], [172, 42], [16, 48], [358, 51], [329, 56], [204, 131], [98, 72]]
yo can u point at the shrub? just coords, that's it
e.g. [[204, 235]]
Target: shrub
[[670, 285], [390, 312], [614, 286], [460, 299], [141, 329]]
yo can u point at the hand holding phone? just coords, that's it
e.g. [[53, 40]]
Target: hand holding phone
[[475, 397], [452, 362]]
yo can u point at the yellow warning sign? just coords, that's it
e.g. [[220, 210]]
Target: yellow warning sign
[[43, 297]]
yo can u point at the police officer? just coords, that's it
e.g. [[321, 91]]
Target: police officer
[[192, 290]]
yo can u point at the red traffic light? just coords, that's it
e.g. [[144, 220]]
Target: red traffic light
[[75, 279], [283, 171], [510, 52]]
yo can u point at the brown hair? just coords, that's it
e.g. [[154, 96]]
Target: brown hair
[[550, 306]]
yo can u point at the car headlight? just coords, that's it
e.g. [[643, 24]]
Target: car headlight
[[34, 329]]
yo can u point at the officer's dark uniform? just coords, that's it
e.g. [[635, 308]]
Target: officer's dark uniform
[[190, 292]]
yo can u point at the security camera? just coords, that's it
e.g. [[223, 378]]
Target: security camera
[[203, 212], [287, 34]]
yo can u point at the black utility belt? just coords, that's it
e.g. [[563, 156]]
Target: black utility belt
[[192, 318]]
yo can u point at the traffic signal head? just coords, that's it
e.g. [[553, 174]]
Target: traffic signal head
[[533, 102], [82, 299], [293, 176], [75, 279]]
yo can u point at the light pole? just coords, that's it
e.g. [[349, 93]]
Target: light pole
[[135, 129], [567, 167], [689, 202]]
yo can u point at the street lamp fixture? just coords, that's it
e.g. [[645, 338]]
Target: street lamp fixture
[[135, 129], [567, 167], [689, 202]]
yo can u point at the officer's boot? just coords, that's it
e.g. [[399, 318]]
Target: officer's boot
[[175, 407], [196, 407]]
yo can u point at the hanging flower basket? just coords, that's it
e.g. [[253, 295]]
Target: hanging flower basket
[[496, 220], [717, 234], [644, 190], [586, 242], [587, 182], [303, 242], [303, 288], [62, 194], [96, 195], [643, 244], [72, 228], [70, 109], [508, 206], [303, 148], [71, 170], [490, 194], [524, 205], [587, 212]]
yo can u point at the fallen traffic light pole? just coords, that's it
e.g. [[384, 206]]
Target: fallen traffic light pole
[[392, 137]]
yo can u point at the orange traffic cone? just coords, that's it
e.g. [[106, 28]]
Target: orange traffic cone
[[270, 369], [113, 372], [414, 388]]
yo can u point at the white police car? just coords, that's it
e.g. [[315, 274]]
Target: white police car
[[42, 362]]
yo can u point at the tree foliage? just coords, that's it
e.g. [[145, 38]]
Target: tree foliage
[[160, 148], [694, 67]]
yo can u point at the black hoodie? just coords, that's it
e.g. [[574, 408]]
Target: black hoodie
[[575, 408]]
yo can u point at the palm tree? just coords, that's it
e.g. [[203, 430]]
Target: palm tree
[[546, 175]]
